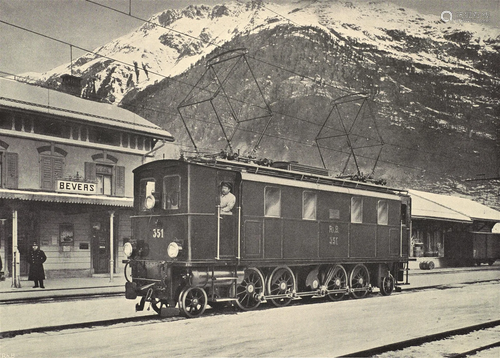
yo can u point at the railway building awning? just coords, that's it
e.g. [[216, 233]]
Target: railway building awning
[[449, 208], [41, 196]]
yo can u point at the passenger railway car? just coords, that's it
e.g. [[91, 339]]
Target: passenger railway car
[[293, 232]]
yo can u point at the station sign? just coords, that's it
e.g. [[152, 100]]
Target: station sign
[[68, 186]]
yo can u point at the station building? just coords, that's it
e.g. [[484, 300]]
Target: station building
[[66, 179], [453, 231]]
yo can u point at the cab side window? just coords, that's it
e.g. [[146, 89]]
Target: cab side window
[[272, 202], [382, 212], [356, 210], [309, 201]]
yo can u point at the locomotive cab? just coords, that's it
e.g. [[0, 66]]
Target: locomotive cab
[[180, 232]]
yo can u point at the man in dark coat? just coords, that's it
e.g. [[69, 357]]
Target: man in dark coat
[[36, 259]]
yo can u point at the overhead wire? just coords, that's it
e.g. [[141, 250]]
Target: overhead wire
[[188, 84], [90, 51], [173, 79]]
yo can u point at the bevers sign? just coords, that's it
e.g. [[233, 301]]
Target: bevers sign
[[68, 186]]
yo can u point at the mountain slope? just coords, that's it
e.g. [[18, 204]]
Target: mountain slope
[[433, 87]]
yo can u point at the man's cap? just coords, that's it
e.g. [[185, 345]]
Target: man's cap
[[228, 184]]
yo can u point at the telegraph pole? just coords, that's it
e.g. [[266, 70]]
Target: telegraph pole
[[111, 246]]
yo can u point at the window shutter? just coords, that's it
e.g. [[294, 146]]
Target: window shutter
[[119, 181], [90, 172], [58, 168], [12, 170], [46, 173]]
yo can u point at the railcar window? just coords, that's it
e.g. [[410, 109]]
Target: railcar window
[[272, 202], [171, 192], [382, 212], [356, 210], [309, 200], [146, 194]]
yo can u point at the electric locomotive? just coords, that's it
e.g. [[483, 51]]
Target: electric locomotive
[[290, 231]]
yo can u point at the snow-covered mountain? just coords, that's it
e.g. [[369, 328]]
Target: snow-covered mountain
[[172, 41], [435, 85]]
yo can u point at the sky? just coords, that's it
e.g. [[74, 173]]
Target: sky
[[88, 25]]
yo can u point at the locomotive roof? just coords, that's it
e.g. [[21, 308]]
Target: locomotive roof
[[255, 172]]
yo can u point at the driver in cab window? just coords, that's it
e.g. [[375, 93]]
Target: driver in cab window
[[227, 199]]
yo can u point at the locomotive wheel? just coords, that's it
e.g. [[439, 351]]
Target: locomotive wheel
[[336, 279], [156, 303], [359, 281], [281, 281], [387, 285], [249, 290], [192, 302]]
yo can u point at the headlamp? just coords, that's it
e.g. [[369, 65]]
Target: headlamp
[[173, 250], [128, 249]]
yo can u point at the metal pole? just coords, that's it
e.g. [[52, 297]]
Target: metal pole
[[239, 233], [3, 245], [111, 246], [218, 232], [16, 282]]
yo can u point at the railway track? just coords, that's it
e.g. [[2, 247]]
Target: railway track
[[91, 296], [468, 340], [63, 327], [173, 315], [59, 298]]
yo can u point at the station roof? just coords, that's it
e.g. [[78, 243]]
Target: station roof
[[24, 96], [26, 195], [447, 207]]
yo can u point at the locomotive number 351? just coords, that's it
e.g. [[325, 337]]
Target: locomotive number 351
[[158, 233]]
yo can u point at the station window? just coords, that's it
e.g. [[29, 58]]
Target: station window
[[356, 210], [47, 127], [8, 167], [309, 200], [104, 171], [5, 120], [147, 198], [51, 165], [104, 176], [171, 192], [272, 202], [382, 212]]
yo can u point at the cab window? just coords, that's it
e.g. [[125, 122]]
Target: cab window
[[171, 192], [147, 198]]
